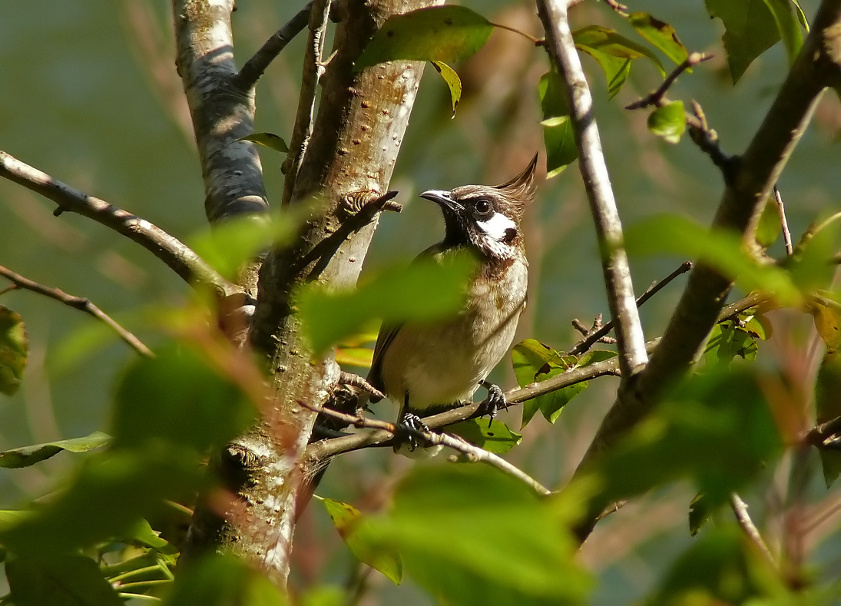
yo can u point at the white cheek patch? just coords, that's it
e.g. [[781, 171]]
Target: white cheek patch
[[498, 227]]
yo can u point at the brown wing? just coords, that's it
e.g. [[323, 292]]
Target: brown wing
[[384, 339]]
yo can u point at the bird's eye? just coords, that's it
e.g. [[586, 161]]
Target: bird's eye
[[483, 207]]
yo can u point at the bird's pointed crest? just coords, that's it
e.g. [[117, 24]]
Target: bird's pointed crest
[[522, 187]]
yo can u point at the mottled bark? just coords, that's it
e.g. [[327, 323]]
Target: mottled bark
[[355, 138]]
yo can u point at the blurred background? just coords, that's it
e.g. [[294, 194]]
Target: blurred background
[[90, 95]]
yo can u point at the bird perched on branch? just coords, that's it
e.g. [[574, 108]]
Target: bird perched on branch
[[430, 367]]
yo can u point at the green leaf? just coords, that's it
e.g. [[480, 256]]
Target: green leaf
[[613, 52], [14, 350], [659, 34], [269, 140], [769, 227], [141, 532], [828, 407], [229, 245], [719, 568], [749, 30], [493, 436], [106, 498], [29, 455], [810, 266], [472, 535], [179, 399], [558, 136], [223, 580], [723, 250], [715, 429], [700, 512], [559, 140], [441, 33], [827, 315], [787, 19], [67, 580], [727, 341], [668, 121], [429, 289], [351, 524], [534, 362], [452, 80]]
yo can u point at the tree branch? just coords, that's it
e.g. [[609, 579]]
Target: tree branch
[[80, 303], [740, 509], [254, 68], [745, 193], [318, 17], [221, 110], [177, 255], [471, 451], [617, 274]]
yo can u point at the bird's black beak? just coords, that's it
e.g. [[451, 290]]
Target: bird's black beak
[[442, 198]]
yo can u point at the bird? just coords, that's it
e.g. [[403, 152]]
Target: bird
[[430, 367]]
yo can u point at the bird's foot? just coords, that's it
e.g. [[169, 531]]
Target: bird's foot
[[409, 426], [495, 402]]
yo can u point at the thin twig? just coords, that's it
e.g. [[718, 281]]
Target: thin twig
[[254, 68], [313, 68], [740, 509], [650, 292], [783, 221], [658, 97], [80, 303], [177, 255], [617, 274], [473, 452]]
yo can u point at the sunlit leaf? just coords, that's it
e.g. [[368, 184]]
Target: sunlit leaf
[[613, 52], [142, 533], [65, 580], [14, 350], [559, 140], [349, 521], [355, 356], [223, 580], [324, 595], [452, 80], [472, 535], [558, 136], [769, 227], [29, 455], [534, 362], [810, 266], [668, 121], [723, 250], [227, 246], [493, 436], [659, 34], [441, 33], [269, 140], [426, 290], [827, 315], [749, 30], [787, 18], [728, 341]]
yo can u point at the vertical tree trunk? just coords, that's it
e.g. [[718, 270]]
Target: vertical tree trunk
[[355, 139]]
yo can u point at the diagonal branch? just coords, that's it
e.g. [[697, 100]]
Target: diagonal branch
[[617, 273], [177, 255], [255, 67], [471, 451], [80, 303], [746, 189]]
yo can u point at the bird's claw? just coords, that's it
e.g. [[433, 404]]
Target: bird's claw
[[495, 402], [410, 425]]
